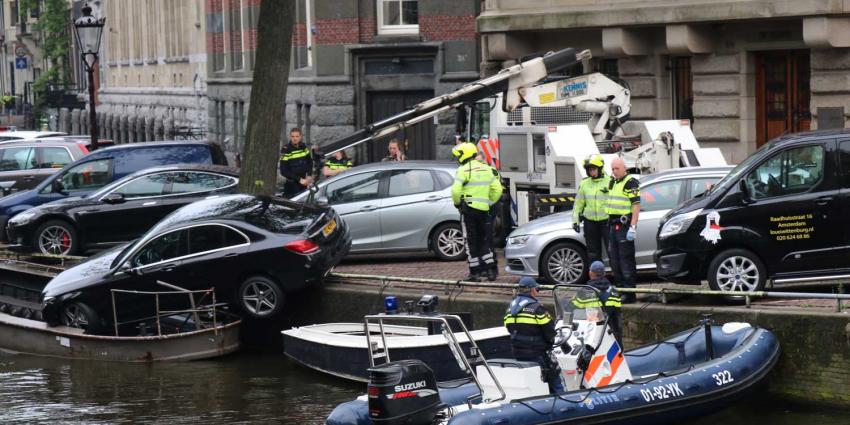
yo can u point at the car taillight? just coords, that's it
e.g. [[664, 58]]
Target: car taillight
[[304, 246], [83, 148]]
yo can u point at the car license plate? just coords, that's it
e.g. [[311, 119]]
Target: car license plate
[[329, 228]]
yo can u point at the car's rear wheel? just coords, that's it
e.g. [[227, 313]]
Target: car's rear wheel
[[564, 263], [447, 242], [81, 316], [261, 297], [737, 270], [56, 237]]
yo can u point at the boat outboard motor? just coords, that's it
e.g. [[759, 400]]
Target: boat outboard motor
[[403, 392]]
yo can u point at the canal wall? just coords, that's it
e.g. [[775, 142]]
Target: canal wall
[[815, 346]]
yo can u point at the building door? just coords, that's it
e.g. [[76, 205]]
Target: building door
[[419, 141], [782, 94], [682, 84]]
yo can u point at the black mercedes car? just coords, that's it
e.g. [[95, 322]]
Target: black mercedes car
[[251, 250], [119, 212]]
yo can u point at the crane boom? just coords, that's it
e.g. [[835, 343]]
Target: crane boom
[[509, 80]]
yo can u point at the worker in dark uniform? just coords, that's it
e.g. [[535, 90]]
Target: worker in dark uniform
[[609, 298], [475, 189], [532, 332], [296, 164], [623, 210], [591, 201]]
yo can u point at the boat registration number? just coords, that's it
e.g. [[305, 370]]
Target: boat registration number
[[662, 392], [329, 228]]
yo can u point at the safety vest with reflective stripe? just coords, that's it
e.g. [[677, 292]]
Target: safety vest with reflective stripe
[[476, 184], [335, 164], [592, 198], [619, 202], [294, 154]]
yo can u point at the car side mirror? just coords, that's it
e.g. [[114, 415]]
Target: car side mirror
[[129, 269], [745, 191], [57, 186], [321, 199], [114, 198]]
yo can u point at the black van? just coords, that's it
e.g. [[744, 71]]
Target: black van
[[781, 214]]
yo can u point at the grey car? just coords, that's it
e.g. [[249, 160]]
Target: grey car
[[397, 207], [549, 247]]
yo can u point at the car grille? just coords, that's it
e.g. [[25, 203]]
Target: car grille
[[516, 265]]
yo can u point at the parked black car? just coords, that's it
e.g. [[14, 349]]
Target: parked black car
[[117, 213], [24, 164], [105, 166], [251, 250]]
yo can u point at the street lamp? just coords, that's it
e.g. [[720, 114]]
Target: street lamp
[[87, 30]]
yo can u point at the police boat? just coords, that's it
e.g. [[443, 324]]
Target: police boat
[[691, 373]]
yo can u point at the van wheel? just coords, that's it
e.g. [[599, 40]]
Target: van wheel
[[81, 316], [447, 242], [261, 297], [737, 270], [564, 263], [56, 237]]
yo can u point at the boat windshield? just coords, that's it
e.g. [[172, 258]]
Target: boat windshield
[[584, 305]]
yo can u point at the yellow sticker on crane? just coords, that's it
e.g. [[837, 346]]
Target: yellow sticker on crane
[[547, 98]]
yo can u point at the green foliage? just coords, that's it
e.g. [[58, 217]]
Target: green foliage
[[54, 24]]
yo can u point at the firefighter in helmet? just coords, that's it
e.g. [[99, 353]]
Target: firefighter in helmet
[[476, 188], [590, 204]]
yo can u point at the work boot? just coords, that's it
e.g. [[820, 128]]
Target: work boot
[[492, 274], [473, 277]]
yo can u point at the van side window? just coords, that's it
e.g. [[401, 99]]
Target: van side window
[[792, 171], [88, 175], [845, 163]]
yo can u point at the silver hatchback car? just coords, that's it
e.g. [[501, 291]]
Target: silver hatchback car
[[549, 247], [397, 207]]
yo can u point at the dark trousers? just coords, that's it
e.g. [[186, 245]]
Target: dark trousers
[[621, 252], [550, 370], [596, 238], [478, 233], [292, 188]]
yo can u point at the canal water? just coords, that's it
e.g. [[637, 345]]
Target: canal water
[[247, 388]]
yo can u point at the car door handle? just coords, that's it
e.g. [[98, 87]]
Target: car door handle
[[433, 198], [147, 204], [28, 178], [169, 267], [231, 255], [824, 200], [368, 208]]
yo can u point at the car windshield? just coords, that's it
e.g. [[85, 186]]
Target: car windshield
[[733, 175], [120, 257]]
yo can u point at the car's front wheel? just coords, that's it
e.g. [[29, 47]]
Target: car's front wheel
[[56, 237], [564, 263], [81, 316], [737, 270], [447, 242], [261, 297]]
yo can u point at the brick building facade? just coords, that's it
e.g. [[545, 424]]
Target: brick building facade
[[354, 62], [745, 71]]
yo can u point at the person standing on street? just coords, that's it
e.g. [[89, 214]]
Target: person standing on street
[[296, 164], [336, 164], [590, 207], [532, 332], [475, 189], [623, 210]]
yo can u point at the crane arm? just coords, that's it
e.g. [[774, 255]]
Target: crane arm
[[510, 80]]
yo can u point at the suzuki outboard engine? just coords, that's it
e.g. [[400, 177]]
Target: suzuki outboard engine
[[403, 393]]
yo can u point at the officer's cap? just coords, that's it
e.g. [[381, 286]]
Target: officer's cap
[[528, 282], [597, 267]]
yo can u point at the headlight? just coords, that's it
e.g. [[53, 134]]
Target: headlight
[[518, 240], [678, 224], [22, 218]]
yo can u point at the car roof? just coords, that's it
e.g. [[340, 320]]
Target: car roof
[[152, 144], [405, 165], [806, 136], [686, 172], [186, 167], [42, 141], [30, 134]]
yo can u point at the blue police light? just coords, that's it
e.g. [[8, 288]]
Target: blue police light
[[391, 305]]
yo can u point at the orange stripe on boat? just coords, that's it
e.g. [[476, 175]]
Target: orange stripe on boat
[[591, 369]]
